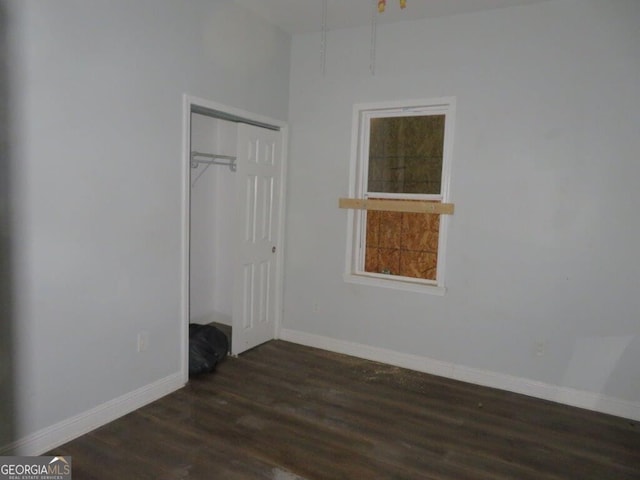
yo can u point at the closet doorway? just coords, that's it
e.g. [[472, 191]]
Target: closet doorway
[[233, 222]]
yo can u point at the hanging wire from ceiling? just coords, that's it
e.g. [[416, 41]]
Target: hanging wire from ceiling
[[377, 4], [323, 39]]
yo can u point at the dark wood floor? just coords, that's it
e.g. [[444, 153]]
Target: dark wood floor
[[287, 412]]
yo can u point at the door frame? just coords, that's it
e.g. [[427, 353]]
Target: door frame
[[188, 103]]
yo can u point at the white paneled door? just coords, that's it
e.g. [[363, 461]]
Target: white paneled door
[[258, 186]]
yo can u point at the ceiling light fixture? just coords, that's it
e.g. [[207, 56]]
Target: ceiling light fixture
[[382, 4]]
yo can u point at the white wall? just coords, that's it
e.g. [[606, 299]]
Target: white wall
[[213, 198], [98, 88], [543, 245]]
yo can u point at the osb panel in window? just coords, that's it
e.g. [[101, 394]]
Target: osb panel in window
[[389, 260], [418, 264], [402, 244], [390, 230]]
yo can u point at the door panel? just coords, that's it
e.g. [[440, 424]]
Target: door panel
[[257, 180]]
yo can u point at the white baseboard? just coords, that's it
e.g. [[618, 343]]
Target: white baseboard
[[568, 396], [62, 432]]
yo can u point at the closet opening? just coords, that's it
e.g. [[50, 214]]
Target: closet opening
[[233, 190], [212, 199]]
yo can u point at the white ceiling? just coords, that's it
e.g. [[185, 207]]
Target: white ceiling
[[305, 16]]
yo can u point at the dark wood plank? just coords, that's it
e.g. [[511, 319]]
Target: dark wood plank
[[287, 412]]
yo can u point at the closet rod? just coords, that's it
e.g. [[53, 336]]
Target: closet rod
[[231, 160]]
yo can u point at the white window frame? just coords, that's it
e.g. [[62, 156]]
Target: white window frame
[[358, 180]]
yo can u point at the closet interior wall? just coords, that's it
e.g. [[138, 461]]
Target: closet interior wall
[[213, 198]]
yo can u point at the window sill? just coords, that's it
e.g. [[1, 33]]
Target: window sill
[[407, 286]]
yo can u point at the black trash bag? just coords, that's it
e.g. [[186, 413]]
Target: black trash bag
[[208, 346]]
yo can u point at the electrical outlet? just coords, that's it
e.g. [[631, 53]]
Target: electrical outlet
[[315, 307], [143, 341], [540, 348]]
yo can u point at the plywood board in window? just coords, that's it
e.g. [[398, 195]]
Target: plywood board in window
[[397, 205]]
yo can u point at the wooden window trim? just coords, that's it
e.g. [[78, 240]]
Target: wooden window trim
[[410, 206]]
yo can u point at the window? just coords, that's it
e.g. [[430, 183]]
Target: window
[[400, 170]]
